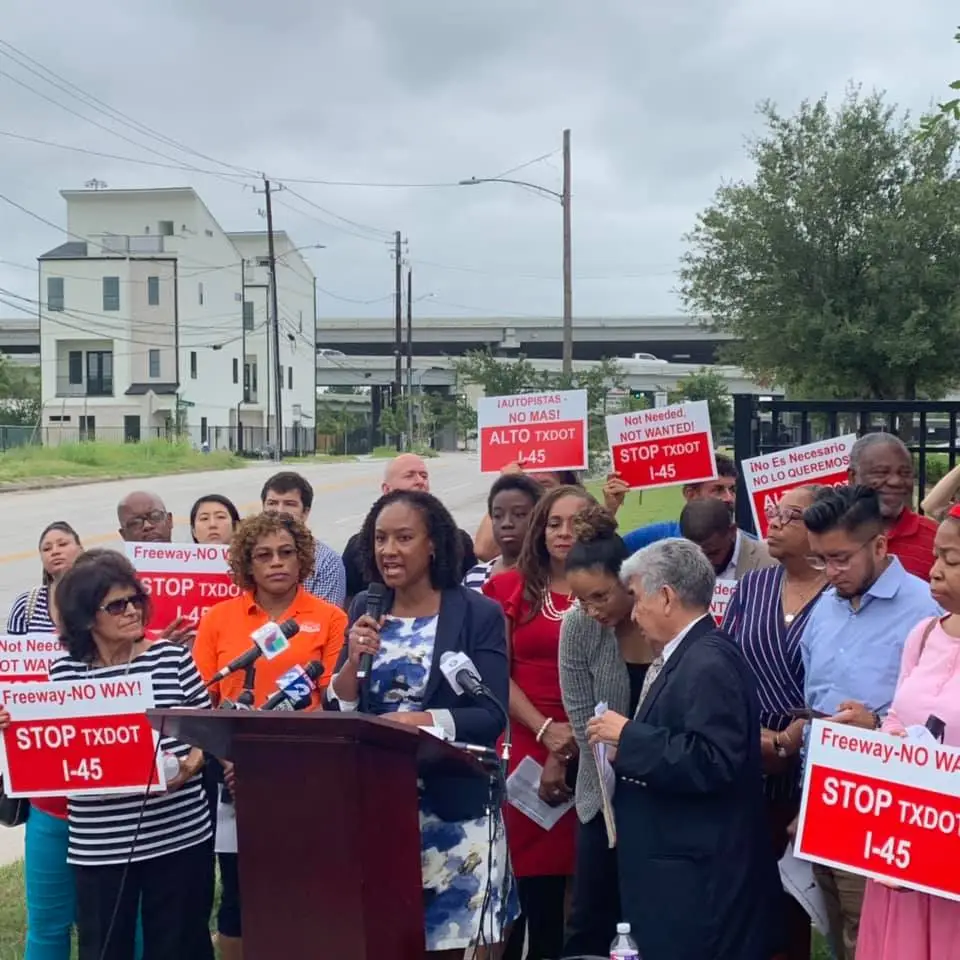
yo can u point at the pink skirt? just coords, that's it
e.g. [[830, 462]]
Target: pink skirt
[[905, 925]]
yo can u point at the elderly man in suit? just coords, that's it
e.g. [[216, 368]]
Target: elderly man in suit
[[710, 525], [698, 880]]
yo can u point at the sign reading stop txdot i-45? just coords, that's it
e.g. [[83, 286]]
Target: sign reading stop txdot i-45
[[664, 446], [882, 806], [184, 580], [722, 592], [82, 736], [540, 431], [28, 657], [769, 477]]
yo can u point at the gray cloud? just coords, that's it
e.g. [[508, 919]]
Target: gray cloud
[[660, 102]]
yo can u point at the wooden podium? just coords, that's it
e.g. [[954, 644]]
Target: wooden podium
[[328, 832]]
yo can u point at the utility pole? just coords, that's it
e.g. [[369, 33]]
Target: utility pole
[[567, 265], [398, 343], [274, 327], [410, 355]]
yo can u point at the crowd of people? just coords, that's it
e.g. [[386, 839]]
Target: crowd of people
[[593, 636]]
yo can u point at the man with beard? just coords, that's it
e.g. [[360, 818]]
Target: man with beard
[[882, 462], [708, 523], [853, 643]]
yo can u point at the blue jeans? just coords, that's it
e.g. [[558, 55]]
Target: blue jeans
[[51, 889]]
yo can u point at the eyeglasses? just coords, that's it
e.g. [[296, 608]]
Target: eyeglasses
[[840, 564], [783, 515], [118, 607], [155, 518], [266, 555]]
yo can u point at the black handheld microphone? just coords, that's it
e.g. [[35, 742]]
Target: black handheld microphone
[[375, 597], [264, 638], [296, 687], [936, 727]]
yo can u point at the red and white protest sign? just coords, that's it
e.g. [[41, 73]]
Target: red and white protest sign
[[722, 593], [663, 446], [769, 477], [540, 431], [183, 579], [27, 657], [79, 737], [882, 806]]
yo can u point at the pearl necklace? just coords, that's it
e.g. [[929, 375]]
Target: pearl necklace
[[549, 608]]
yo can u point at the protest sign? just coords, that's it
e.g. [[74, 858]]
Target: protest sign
[[28, 657], [540, 431], [183, 579], [882, 806], [664, 446], [79, 737], [769, 477], [722, 593]]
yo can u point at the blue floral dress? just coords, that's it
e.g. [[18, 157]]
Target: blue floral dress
[[455, 857]]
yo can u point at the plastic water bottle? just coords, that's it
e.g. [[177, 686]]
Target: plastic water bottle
[[624, 947]]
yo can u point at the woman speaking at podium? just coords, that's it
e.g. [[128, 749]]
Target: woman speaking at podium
[[410, 544]]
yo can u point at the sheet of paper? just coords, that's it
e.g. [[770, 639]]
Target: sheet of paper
[[797, 878], [522, 792], [608, 782], [226, 841]]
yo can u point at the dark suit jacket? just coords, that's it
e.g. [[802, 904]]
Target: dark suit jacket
[[473, 624], [698, 879]]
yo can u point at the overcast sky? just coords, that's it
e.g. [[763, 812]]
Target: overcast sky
[[417, 92]]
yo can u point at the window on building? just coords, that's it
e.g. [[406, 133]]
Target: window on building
[[88, 428], [111, 293], [153, 291], [154, 363], [247, 314], [193, 364], [200, 293], [289, 378], [250, 381], [99, 373], [301, 321], [55, 293], [236, 370], [165, 228], [75, 366], [203, 430]]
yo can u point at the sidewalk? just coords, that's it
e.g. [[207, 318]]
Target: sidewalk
[[11, 844]]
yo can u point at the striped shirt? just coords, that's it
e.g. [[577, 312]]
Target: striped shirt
[[479, 574], [30, 613], [103, 830], [771, 646]]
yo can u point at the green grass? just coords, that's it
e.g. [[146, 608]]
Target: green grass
[[643, 507], [99, 459], [13, 921]]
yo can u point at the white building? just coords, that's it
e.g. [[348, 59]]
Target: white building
[[144, 329]]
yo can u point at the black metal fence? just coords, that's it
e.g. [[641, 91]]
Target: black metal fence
[[764, 425]]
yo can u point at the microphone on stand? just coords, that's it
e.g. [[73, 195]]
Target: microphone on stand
[[296, 686], [376, 593], [268, 641]]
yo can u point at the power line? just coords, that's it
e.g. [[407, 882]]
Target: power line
[[505, 274], [337, 296]]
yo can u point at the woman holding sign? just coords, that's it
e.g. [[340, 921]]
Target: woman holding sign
[[899, 924], [134, 850]]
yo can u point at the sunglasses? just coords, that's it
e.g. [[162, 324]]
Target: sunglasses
[[118, 607]]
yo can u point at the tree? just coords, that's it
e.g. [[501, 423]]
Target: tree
[[835, 269], [949, 110], [19, 394], [708, 385]]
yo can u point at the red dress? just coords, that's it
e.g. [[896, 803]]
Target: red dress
[[534, 667]]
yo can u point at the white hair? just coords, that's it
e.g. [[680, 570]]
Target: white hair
[[675, 563]]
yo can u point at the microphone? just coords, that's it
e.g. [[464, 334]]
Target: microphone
[[375, 597], [295, 687], [461, 674], [268, 641]]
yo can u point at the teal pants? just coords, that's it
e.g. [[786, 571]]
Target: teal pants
[[51, 896]]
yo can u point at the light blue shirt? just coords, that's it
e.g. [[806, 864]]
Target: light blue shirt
[[854, 654]]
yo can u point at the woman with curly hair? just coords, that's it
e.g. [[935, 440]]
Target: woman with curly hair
[[411, 544], [271, 555], [604, 657], [534, 596]]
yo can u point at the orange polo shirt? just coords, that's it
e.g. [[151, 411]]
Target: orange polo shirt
[[224, 633]]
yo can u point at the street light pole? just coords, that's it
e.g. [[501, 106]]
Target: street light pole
[[567, 264]]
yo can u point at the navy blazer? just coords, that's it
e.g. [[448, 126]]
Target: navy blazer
[[698, 878], [468, 623]]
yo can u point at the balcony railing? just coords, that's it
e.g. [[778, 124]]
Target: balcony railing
[[102, 387]]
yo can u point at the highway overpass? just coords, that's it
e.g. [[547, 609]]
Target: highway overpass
[[680, 339], [650, 376]]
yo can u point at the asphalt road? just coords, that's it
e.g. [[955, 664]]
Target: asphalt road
[[343, 493]]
